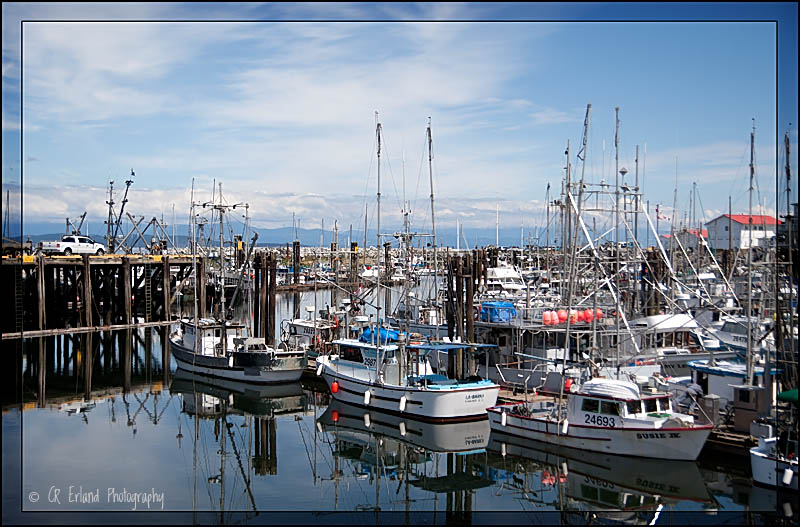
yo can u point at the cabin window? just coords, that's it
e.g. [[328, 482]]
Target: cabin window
[[744, 396], [663, 404], [590, 405], [650, 405], [634, 407], [351, 354], [607, 407], [216, 333]]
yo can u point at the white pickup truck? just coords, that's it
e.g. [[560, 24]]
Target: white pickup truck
[[72, 244]]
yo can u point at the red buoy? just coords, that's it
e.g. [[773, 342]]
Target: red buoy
[[568, 384], [562, 315], [335, 416], [334, 387]]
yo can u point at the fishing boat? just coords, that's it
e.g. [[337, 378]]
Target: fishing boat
[[606, 415], [221, 349], [399, 379], [774, 460]]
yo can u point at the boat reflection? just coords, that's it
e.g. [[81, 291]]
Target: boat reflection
[[260, 401], [618, 488], [438, 458]]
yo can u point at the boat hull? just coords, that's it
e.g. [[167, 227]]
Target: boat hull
[[281, 370], [445, 404], [769, 470], [684, 443]]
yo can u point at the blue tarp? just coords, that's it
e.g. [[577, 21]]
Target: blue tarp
[[386, 335], [497, 311]]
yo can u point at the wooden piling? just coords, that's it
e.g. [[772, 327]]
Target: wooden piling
[[271, 304], [126, 289], [41, 291], [87, 291], [296, 262], [469, 312], [263, 301]]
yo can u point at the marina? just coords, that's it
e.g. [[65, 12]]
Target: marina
[[514, 313], [237, 450]]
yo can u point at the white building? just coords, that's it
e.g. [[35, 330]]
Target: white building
[[735, 228]]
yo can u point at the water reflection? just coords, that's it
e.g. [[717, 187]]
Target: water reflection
[[101, 411], [614, 487], [387, 451]]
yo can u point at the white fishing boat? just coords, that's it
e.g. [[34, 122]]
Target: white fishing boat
[[773, 466], [221, 350], [309, 332], [504, 281], [774, 460], [400, 380], [607, 415]]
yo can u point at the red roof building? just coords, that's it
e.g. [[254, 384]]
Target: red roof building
[[757, 220], [732, 231]]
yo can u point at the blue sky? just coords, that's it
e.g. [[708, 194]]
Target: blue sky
[[282, 113]]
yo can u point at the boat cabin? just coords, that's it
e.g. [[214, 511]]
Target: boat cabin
[[605, 402], [210, 333]]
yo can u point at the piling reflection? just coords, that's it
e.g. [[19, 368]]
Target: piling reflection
[[82, 364]]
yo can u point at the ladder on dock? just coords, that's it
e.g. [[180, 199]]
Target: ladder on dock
[[148, 294]]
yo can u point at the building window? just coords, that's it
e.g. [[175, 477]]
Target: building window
[[726, 228]]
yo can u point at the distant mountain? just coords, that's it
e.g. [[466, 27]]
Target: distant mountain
[[39, 231]]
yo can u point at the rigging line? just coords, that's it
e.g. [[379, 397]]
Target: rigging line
[[391, 173], [737, 179], [419, 174], [364, 202]]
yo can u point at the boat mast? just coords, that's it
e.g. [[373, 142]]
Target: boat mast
[[789, 236], [221, 268], [433, 220], [378, 277], [192, 224], [547, 198], [616, 233], [750, 262]]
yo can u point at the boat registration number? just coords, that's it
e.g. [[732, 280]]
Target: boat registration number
[[599, 420], [370, 363]]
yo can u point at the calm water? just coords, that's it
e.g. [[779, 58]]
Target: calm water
[[129, 434]]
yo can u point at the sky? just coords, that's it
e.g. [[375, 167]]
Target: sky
[[277, 103]]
